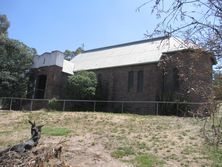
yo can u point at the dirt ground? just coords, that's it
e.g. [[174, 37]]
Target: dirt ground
[[112, 140]]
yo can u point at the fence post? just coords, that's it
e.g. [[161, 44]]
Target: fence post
[[20, 105], [64, 105], [177, 110], [94, 106], [157, 108], [10, 107], [122, 107], [31, 105]]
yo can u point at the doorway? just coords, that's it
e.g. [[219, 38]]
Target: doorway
[[40, 87]]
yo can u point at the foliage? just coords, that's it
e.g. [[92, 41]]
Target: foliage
[[217, 85], [190, 76], [81, 85], [212, 129], [70, 54], [199, 21], [53, 103], [79, 50], [4, 25], [15, 62]]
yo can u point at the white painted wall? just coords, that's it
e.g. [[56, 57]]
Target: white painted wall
[[68, 67], [49, 59]]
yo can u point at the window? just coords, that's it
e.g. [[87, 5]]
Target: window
[[99, 78], [130, 81], [99, 82], [140, 81]]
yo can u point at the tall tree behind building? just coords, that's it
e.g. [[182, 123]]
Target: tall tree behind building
[[15, 61], [4, 25]]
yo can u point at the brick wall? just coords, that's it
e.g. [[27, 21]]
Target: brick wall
[[194, 75], [115, 86], [54, 83], [195, 64], [190, 82], [114, 81]]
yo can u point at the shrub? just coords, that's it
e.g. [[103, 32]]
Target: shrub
[[53, 103], [81, 85]]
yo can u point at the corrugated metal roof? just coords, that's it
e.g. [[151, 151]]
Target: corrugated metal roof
[[138, 52]]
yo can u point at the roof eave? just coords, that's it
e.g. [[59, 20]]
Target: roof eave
[[116, 66]]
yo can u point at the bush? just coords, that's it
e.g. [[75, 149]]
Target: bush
[[81, 86], [53, 103]]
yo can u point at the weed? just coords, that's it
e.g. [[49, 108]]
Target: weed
[[127, 137], [122, 152], [188, 151], [56, 131], [147, 160], [5, 132], [141, 145], [53, 103], [215, 155], [4, 143]]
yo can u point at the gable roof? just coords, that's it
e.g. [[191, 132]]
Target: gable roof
[[139, 52]]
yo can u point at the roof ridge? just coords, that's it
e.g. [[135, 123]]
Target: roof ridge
[[126, 44]]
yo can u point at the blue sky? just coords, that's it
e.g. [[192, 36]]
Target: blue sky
[[49, 25]]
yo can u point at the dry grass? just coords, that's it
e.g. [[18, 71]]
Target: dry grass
[[104, 139]]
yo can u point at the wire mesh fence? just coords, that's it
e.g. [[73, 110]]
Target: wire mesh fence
[[133, 107]]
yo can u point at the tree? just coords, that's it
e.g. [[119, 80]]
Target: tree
[[199, 21], [4, 24], [70, 54], [217, 84], [81, 85], [15, 61]]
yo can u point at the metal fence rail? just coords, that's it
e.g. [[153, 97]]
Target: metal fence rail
[[137, 107]]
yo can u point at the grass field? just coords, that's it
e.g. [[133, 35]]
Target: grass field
[[114, 140]]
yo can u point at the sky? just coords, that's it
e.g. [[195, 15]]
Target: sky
[[48, 25]]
